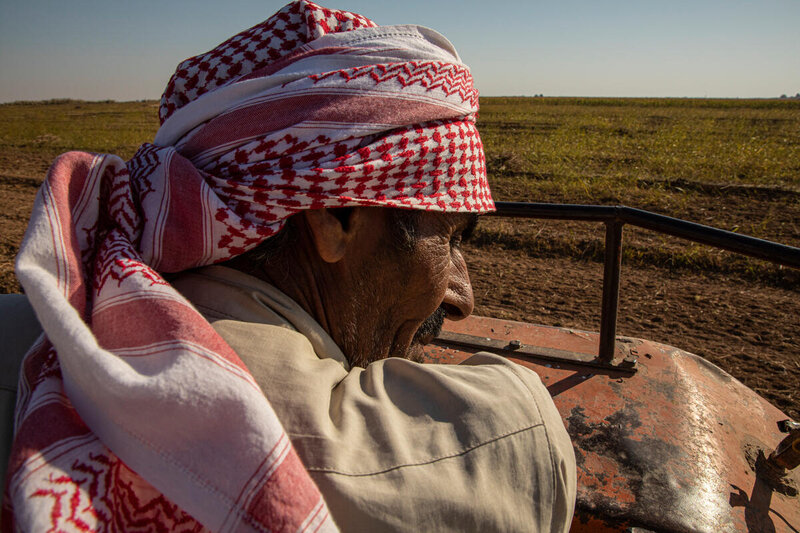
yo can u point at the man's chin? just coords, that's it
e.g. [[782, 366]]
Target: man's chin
[[416, 352], [413, 352]]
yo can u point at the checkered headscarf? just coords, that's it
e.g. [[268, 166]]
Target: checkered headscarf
[[129, 400], [318, 108]]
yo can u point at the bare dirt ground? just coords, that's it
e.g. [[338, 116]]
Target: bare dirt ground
[[550, 273]]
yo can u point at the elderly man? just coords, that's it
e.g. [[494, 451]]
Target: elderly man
[[330, 168]]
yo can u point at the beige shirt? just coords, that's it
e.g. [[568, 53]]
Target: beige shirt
[[399, 446]]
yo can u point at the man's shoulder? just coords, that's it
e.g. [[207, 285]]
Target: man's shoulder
[[449, 431]]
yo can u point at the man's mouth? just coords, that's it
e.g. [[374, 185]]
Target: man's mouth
[[430, 327]]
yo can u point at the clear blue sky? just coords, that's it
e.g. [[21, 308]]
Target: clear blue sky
[[127, 50]]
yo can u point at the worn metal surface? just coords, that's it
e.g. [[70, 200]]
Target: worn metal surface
[[623, 359], [679, 445]]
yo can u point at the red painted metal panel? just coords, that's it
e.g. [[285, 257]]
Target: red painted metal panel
[[679, 445]]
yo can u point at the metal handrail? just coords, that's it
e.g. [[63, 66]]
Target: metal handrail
[[615, 217]]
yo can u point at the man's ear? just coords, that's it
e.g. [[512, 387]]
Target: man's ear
[[331, 233]]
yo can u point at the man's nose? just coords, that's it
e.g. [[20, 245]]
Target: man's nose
[[458, 299]]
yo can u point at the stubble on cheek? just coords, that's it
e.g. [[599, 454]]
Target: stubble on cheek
[[364, 334], [363, 347], [368, 332]]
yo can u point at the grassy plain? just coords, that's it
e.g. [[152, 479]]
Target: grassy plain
[[33, 133], [595, 148], [733, 164]]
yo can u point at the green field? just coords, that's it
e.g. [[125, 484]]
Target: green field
[[32, 134], [587, 150], [601, 150]]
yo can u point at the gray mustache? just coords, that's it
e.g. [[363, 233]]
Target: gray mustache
[[432, 325]]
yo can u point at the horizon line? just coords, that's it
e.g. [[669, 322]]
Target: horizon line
[[53, 101]]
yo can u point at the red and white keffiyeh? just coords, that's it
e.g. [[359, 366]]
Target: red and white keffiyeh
[[132, 413]]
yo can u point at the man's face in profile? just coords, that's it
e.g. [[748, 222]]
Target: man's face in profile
[[403, 291]]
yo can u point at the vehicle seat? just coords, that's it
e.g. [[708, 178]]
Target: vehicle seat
[[19, 329]]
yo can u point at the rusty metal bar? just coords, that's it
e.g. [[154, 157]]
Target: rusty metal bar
[[615, 217], [517, 349], [611, 274], [719, 238]]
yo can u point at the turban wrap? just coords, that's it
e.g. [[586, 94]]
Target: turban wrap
[[132, 413]]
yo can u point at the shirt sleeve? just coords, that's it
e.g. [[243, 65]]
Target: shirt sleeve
[[560, 445], [471, 447]]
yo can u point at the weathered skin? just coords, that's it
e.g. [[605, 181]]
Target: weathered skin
[[679, 445]]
